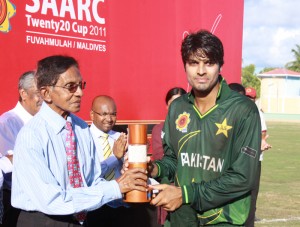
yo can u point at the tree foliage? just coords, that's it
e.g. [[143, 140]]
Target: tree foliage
[[267, 69], [295, 65], [250, 79]]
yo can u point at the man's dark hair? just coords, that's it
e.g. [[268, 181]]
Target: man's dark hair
[[203, 43], [174, 91], [50, 68]]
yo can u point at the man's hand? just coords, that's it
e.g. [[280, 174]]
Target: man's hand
[[125, 164], [264, 145], [10, 157], [120, 146], [169, 197], [133, 179]]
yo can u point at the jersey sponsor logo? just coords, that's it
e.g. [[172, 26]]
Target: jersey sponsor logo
[[202, 161], [249, 151], [223, 128], [183, 121]]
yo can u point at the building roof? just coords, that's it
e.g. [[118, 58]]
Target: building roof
[[280, 72]]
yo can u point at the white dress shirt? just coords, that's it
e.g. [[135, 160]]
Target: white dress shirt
[[10, 124], [263, 129], [111, 161]]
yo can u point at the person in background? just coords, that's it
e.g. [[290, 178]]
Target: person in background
[[208, 150], [56, 178], [251, 94], [1, 189], [111, 147], [238, 88], [157, 147], [10, 124]]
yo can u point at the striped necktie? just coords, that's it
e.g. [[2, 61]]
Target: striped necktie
[[106, 153], [73, 165]]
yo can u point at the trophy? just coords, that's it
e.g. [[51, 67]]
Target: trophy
[[137, 158]]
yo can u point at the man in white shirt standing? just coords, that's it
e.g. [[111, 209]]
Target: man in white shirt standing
[[104, 115], [10, 124], [251, 94]]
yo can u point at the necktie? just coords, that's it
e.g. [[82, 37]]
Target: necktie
[[106, 153], [73, 165]]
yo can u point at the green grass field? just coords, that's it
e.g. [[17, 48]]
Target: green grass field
[[278, 202]]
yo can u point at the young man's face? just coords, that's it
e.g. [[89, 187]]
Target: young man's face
[[62, 100], [202, 75]]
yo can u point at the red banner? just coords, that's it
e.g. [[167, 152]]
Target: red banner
[[129, 50]]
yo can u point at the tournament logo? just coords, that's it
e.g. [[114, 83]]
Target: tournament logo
[[7, 10], [182, 121]]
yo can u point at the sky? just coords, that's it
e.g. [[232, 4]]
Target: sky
[[271, 31]]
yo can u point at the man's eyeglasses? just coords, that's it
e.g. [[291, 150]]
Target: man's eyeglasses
[[72, 87], [113, 115]]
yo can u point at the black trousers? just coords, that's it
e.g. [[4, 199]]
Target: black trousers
[[254, 193], [35, 219], [10, 215], [137, 215]]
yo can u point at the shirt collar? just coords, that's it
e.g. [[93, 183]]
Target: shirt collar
[[222, 81], [55, 121], [22, 113], [97, 132]]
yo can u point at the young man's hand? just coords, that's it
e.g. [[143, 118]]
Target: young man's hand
[[169, 196]]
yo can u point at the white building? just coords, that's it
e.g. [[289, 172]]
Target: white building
[[280, 91]]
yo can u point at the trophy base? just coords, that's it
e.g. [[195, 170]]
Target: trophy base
[[136, 196]]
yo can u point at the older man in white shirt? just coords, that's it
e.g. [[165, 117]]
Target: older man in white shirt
[[10, 124]]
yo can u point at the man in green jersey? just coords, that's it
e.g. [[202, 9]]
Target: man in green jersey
[[211, 143]]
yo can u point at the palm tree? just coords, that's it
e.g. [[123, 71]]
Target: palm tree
[[295, 65]]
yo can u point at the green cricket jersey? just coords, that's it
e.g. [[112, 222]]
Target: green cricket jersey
[[212, 157]]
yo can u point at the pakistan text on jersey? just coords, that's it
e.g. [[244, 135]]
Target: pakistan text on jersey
[[202, 161]]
